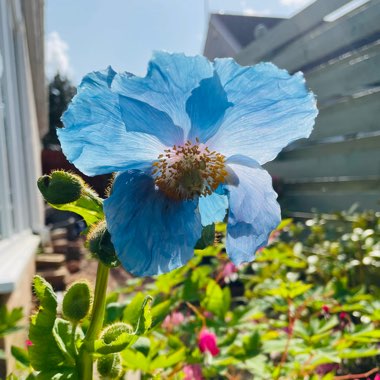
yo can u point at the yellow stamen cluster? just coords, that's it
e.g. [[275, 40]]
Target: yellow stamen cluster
[[184, 172]]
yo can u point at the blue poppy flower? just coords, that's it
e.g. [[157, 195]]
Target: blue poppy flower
[[188, 141]]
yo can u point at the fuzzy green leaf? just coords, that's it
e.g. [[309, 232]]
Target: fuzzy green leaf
[[44, 352]]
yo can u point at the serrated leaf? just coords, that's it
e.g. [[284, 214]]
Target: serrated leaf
[[44, 352]]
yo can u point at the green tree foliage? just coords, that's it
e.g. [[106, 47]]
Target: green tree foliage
[[61, 91]]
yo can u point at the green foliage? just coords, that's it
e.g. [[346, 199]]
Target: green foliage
[[21, 355], [207, 237], [58, 345], [306, 308], [216, 300], [61, 91], [302, 310], [9, 320], [87, 206], [44, 353]]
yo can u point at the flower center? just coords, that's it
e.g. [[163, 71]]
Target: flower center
[[184, 172]]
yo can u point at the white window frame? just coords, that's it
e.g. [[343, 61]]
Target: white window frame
[[21, 207]]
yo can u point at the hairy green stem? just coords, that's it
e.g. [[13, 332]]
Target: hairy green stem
[[73, 336], [98, 308]]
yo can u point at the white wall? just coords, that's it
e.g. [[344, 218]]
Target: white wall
[[21, 207]]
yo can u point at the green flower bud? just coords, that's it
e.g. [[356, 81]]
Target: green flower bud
[[109, 366], [77, 302], [114, 338], [99, 243], [60, 187], [112, 332]]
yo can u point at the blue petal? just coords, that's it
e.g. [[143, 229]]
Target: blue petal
[[271, 109], [253, 211], [213, 208], [168, 84], [152, 234], [141, 117], [206, 107], [95, 139]]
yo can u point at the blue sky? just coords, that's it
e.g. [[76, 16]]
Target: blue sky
[[87, 35]]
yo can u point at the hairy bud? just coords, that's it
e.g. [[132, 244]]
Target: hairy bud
[[60, 187], [99, 243], [109, 366], [112, 332], [77, 302]]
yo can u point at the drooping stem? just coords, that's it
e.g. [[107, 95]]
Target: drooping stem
[[98, 309]]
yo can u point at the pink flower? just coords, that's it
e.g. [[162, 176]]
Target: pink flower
[[326, 309], [28, 343], [344, 320], [177, 318], [229, 272], [343, 315], [192, 372], [172, 320], [377, 377], [229, 269], [207, 342], [208, 314]]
